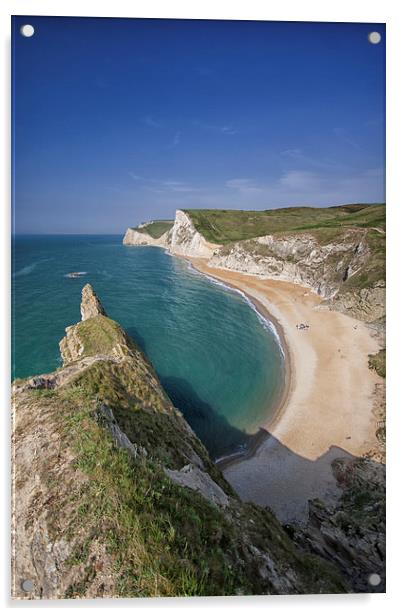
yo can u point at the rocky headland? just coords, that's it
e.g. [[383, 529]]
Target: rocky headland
[[321, 466], [340, 256], [115, 496]]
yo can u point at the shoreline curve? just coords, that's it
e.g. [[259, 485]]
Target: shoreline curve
[[327, 410], [286, 386]]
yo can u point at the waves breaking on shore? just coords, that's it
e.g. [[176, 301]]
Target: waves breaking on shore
[[265, 322]]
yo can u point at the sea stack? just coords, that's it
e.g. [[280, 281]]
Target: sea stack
[[90, 304]]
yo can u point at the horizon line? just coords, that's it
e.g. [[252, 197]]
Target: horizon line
[[56, 233]]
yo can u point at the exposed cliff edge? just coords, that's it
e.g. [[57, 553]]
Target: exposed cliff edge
[[132, 237], [90, 304], [329, 269], [339, 252], [351, 534], [115, 496], [181, 239], [186, 240]]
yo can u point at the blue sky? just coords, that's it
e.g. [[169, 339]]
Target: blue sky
[[119, 121]]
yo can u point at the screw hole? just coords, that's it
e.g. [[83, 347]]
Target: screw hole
[[374, 38], [27, 30], [374, 579], [27, 585]]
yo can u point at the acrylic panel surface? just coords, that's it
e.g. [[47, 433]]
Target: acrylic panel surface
[[202, 205]]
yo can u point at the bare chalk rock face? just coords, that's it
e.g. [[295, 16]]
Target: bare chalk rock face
[[90, 304]]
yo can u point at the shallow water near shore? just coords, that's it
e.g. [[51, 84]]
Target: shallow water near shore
[[217, 358]]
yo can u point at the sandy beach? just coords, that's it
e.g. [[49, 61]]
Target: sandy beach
[[327, 411]]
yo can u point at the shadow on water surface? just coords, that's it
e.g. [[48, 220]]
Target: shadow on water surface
[[216, 433], [138, 339]]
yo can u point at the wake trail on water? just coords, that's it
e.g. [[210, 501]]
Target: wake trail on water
[[28, 269]]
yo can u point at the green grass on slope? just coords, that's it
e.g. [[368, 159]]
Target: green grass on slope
[[156, 229], [374, 270], [225, 226], [99, 335], [157, 538], [145, 413], [162, 540]]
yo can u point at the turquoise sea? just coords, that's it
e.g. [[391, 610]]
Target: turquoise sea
[[219, 361]]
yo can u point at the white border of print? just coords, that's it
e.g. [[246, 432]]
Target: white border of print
[[290, 10]]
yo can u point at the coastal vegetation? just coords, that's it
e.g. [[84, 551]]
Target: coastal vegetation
[[99, 335], [226, 226], [338, 251], [126, 502], [352, 533], [155, 228]]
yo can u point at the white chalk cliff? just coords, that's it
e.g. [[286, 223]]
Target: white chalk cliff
[[187, 241], [138, 238], [324, 267], [182, 239]]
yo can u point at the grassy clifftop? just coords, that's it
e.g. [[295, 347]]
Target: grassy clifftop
[[337, 251], [115, 496], [155, 228], [226, 226]]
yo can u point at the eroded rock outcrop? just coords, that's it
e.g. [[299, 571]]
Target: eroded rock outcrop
[[339, 269], [330, 269], [366, 304], [132, 237], [186, 240], [191, 476], [115, 496], [181, 239], [300, 259], [352, 533], [90, 304]]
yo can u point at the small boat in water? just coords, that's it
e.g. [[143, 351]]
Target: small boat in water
[[76, 274]]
